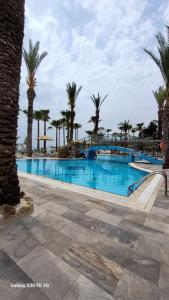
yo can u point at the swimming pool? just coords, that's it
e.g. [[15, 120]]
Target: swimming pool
[[108, 176]]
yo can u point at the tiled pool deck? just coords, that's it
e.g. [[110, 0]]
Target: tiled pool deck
[[85, 249]]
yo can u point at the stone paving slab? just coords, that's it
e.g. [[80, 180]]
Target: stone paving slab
[[157, 225], [86, 249], [96, 267], [132, 287], [84, 289], [142, 265], [11, 273], [99, 226], [18, 249], [52, 239], [164, 278], [44, 267], [105, 217], [31, 294]]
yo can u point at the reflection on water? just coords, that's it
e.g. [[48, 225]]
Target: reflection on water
[[108, 176]]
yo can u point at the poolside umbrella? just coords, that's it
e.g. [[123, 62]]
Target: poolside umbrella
[[44, 138]]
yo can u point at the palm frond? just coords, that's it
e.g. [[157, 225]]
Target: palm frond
[[160, 96], [163, 60], [78, 91], [32, 58], [152, 55], [103, 99]]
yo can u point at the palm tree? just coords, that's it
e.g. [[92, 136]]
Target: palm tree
[[125, 126], [11, 32], [76, 127], [55, 123], [93, 120], [45, 119], [160, 96], [97, 101], [72, 93], [115, 134], [133, 130], [108, 131], [90, 134], [162, 61], [121, 128], [37, 115], [67, 115], [63, 125], [59, 129], [139, 128], [32, 60]]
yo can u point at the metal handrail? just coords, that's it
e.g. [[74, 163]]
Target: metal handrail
[[143, 179]]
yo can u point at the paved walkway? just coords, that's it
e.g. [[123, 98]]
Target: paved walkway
[[85, 249]]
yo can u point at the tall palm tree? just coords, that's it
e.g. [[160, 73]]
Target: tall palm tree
[[63, 125], [32, 60], [162, 61], [59, 129], [37, 115], [45, 119], [125, 126], [160, 96], [67, 115], [56, 124], [139, 128], [76, 128], [72, 93], [97, 101], [11, 33]]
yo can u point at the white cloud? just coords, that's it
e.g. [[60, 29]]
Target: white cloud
[[99, 44]]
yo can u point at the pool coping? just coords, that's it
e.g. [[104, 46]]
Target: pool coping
[[142, 198]]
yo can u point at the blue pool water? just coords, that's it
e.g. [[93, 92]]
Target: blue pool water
[[109, 176]]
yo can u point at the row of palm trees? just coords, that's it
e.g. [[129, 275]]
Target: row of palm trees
[[60, 124], [125, 128], [33, 60]]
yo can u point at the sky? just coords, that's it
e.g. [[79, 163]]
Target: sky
[[99, 45]]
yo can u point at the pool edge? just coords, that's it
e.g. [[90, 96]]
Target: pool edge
[[143, 198]]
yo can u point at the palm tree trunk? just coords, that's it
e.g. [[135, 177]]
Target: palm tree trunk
[[77, 135], [160, 118], [71, 125], [44, 147], [59, 137], [68, 134], [97, 122], [125, 133], [56, 139], [166, 134], [38, 142], [11, 33], [63, 136], [31, 95]]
